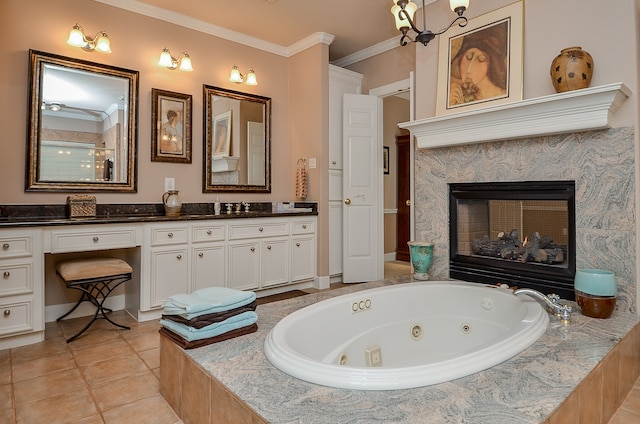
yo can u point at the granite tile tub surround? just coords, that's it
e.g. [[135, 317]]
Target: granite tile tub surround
[[602, 165], [557, 377]]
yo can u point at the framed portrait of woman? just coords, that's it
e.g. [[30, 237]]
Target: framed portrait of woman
[[221, 135], [171, 126], [480, 65]]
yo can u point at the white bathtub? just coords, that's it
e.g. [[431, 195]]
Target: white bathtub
[[404, 336]]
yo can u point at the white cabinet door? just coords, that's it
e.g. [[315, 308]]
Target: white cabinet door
[[244, 265], [208, 266], [303, 255], [169, 273], [275, 262]]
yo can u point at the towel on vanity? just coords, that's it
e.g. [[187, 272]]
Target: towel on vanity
[[190, 334], [207, 301], [199, 343], [208, 319]]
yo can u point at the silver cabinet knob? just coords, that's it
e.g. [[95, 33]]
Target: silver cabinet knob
[[297, 244], [179, 257], [5, 246], [209, 232], [96, 239], [6, 274], [170, 235], [253, 249], [269, 247], [7, 312], [304, 226], [261, 229], [200, 254]]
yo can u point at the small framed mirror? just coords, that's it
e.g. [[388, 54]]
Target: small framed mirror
[[82, 125], [237, 142]]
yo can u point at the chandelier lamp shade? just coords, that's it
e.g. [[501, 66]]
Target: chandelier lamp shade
[[404, 12], [183, 62], [99, 43]]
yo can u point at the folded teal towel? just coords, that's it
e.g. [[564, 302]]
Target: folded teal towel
[[244, 319], [207, 301]]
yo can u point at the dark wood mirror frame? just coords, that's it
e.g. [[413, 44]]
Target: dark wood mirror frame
[[208, 186], [126, 179]]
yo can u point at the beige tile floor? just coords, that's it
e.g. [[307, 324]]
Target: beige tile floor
[[111, 376]]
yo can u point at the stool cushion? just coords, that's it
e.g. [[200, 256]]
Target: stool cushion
[[82, 269]]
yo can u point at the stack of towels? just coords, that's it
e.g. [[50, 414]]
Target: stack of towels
[[208, 316]]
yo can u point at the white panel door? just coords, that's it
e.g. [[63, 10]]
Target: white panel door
[[362, 179]]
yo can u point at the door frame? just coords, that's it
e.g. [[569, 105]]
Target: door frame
[[406, 85]]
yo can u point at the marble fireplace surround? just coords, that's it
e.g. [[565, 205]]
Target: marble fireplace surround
[[567, 136]]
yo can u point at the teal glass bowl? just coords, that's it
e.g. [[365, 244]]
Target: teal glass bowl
[[596, 282]]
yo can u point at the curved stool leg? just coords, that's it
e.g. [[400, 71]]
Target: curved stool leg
[[97, 293]]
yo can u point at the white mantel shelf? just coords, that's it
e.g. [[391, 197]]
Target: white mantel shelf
[[580, 110]]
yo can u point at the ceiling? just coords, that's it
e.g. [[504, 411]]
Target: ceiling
[[356, 24]]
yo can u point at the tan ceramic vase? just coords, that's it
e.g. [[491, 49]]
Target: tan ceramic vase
[[572, 69]]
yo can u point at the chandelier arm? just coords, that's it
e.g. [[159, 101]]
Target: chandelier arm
[[462, 23]]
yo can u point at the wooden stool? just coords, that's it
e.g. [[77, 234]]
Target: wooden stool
[[96, 279]]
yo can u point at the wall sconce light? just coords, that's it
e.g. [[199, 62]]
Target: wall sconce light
[[238, 78], [404, 11], [99, 43], [183, 62]]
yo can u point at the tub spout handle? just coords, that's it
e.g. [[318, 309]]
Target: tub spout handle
[[552, 301]]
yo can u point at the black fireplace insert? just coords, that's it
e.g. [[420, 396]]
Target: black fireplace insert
[[519, 233]]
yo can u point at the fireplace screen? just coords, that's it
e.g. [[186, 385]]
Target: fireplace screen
[[519, 233]]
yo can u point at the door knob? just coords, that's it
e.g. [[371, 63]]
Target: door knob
[[347, 201], [408, 203]]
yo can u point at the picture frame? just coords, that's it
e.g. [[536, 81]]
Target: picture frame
[[385, 159], [481, 64], [221, 143], [171, 126]]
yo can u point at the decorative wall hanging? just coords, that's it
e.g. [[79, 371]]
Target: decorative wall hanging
[[385, 159], [481, 64], [171, 126]]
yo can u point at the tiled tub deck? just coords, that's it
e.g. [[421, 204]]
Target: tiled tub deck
[[580, 375]]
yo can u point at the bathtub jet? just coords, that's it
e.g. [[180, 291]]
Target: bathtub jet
[[411, 335]]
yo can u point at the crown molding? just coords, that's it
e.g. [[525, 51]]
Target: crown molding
[[374, 50], [310, 41], [141, 8]]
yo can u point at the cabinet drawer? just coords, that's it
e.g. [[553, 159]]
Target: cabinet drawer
[[161, 236], [266, 229], [304, 227], [16, 279], [76, 240], [16, 317], [211, 232], [16, 246]]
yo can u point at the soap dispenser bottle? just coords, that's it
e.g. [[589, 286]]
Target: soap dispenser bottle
[[216, 206]]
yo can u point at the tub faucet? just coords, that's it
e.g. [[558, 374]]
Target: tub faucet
[[552, 301]]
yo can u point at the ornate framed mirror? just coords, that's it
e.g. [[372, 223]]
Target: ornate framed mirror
[[237, 142], [82, 125]]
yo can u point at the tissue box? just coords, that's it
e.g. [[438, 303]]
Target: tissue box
[[81, 206]]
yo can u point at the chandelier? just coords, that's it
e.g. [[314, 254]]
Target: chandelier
[[404, 11]]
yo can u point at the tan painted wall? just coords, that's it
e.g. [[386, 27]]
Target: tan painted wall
[[136, 42]]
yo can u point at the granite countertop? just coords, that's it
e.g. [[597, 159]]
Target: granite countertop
[[51, 215], [524, 389]]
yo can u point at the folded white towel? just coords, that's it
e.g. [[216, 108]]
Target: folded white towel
[[191, 334], [207, 301]]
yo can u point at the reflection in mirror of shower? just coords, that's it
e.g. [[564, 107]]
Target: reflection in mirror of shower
[[71, 161]]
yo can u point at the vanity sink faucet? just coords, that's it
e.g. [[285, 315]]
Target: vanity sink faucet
[[238, 206], [246, 206], [229, 206]]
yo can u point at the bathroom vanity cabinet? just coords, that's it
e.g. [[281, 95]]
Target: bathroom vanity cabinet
[[169, 257]]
